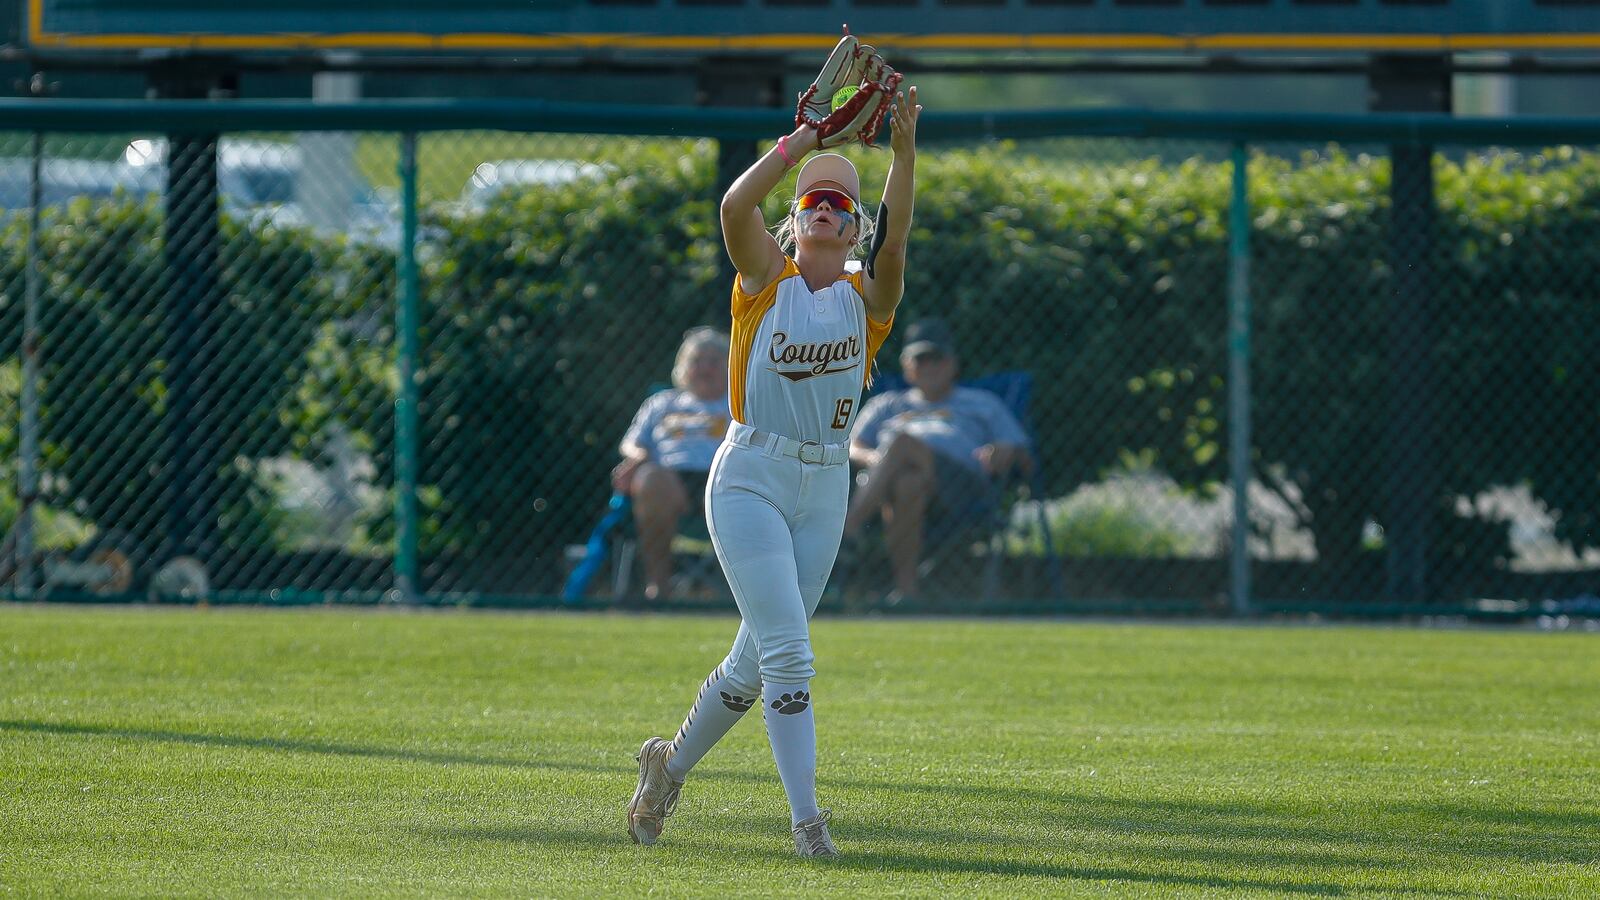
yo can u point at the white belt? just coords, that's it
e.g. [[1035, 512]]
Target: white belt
[[813, 452]]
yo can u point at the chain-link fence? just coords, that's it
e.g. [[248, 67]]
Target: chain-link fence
[[342, 366]]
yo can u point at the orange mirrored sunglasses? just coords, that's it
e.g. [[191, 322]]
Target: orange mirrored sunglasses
[[838, 200]]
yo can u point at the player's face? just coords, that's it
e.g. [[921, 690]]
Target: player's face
[[708, 374]]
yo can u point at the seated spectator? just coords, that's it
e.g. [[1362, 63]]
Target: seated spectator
[[667, 451], [935, 446]]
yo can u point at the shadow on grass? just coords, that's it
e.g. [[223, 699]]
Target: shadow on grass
[[1446, 829], [581, 839], [1074, 837], [1441, 830], [290, 745]]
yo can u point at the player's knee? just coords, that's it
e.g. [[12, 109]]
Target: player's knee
[[742, 676], [787, 662]]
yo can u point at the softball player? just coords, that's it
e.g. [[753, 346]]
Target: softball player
[[805, 330]]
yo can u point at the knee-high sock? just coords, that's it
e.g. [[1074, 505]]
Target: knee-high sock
[[793, 733], [718, 707]]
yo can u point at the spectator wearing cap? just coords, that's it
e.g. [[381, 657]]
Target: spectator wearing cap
[[933, 447]]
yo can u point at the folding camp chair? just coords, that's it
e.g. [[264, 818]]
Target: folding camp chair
[[613, 550], [695, 569], [942, 534], [612, 554]]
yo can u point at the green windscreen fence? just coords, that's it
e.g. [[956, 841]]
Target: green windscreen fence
[[209, 401]]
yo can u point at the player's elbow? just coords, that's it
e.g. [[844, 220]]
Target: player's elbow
[[893, 246], [889, 256], [734, 207]]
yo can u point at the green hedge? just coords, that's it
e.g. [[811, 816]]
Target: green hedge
[[102, 346], [546, 319]]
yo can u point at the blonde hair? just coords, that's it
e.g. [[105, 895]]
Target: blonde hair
[[695, 340], [784, 232]]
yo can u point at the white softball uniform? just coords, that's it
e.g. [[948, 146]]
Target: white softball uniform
[[780, 483]]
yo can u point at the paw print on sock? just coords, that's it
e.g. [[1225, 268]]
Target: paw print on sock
[[789, 704], [735, 702]]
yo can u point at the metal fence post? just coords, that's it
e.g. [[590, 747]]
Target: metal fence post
[[1239, 378], [191, 243], [1411, 478], [405, 553], [28, 464], [195, 304]]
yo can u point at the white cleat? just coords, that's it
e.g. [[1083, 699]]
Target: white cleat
[[811, 836], [656, 797]]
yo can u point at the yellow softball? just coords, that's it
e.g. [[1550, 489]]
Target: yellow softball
[[843, 95]]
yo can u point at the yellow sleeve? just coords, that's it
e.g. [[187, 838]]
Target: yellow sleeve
[[748, 311], [744, 302]]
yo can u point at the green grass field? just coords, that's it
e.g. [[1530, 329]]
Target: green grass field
[[347, 752]]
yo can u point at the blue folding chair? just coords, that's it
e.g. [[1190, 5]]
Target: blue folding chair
[[591, 556], [1015, 390], [612, 548]]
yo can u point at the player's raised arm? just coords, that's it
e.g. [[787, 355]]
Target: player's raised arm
[[744, 232], [845, 103], [884, 281]]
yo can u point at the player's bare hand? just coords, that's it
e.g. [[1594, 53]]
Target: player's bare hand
[[903, 122]]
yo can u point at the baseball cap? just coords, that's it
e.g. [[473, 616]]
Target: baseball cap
[[929, 336], [830, 167]]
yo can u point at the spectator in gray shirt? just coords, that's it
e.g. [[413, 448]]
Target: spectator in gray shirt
[[667, 451], [933, 446]]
